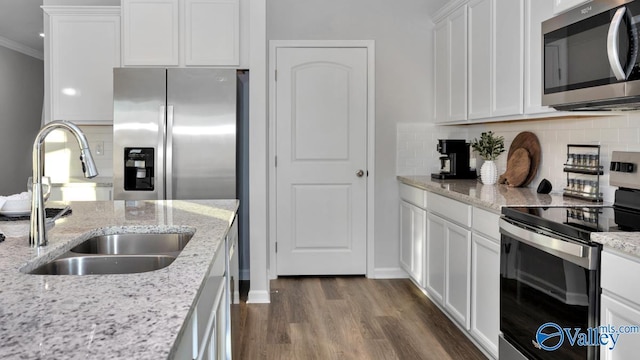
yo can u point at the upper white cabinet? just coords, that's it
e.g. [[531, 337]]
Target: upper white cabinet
[[503, 74], [82, 46], [181, 32], [563, 5], [495, 58], [450, 39], [536, 12]]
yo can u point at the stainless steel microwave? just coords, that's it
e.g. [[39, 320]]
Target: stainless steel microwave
[[590, 57]]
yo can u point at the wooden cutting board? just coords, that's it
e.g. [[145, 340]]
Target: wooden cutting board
[[518, 168], [528, 141]]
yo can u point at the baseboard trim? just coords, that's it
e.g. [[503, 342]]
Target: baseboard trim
[[258, 297], [389, 273]]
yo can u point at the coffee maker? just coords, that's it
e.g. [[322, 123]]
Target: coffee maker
[[454, 162]]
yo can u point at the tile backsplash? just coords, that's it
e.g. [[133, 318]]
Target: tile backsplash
[[417, 155], [62, 153]]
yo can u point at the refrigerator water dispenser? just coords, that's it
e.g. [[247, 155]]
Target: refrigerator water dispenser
[[138, 169]]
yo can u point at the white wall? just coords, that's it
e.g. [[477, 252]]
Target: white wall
[[21, 95], [402, 34], [621, 131]]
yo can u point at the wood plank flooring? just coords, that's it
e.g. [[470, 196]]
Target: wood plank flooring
[[346, 318]]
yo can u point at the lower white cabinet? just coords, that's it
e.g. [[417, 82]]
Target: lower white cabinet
[[413, 222], [457, 247], [618, 306], [485, 294], [448, 266]]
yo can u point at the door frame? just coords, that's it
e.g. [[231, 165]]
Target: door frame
[[271, 215]]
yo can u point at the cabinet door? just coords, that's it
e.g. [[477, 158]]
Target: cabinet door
[[151, 32], [435, 257], [412, 239], [618, 313], [84, 47], [441, 65], [480, 17], [458, 270], [508, 57], [536, 11], [211, 32], [485, 291], [458, 64]]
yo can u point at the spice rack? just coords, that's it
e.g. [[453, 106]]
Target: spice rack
[[583, 172]]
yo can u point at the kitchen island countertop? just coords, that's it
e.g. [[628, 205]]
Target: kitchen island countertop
[[129, 316]]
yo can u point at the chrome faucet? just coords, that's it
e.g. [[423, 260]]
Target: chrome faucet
[[37, 232]]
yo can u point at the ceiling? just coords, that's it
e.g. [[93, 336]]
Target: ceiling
[[21, 21]]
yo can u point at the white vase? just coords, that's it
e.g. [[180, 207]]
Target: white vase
[[489, 172]]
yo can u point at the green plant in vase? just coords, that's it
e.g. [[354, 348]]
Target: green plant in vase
[[489, 147]]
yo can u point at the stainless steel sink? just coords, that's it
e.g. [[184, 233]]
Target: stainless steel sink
[[134, 244], [106, 264], [118, 254]]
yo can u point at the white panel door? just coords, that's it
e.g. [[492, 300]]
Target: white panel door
[[508, 62], [618, 313], [458, 64], [413, 223], [321, 149], [485, 291]]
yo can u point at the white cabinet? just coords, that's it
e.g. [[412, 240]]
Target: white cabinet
[[508, 58], [458, 280], [564, 5], [501, 75], [450, 39], [413, 222], [82, 48], [413, 231], [495, 58], [480, 16], [448, 262], [619, 303], [536, 11], [435, 257], [485, 280], [181, 32]]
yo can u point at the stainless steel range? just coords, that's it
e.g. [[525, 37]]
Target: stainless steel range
[[550, 269]]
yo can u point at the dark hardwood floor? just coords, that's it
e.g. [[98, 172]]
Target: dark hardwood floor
[[346, 318]]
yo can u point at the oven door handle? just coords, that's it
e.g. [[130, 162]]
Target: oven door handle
[[582, 255]]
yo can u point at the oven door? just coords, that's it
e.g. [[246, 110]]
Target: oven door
[[545, 278], [588, 55]]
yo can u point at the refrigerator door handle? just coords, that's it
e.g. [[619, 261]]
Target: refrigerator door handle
[[168, 173]]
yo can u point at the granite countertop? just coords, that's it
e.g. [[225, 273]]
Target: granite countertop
[[494, 197], [130, 316], [491, 197]]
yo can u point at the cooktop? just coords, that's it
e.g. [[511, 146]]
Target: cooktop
[[575, 221]]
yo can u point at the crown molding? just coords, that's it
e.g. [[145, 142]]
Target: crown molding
[[16, 46]]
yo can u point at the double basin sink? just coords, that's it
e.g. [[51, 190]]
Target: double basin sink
[[118, 254]]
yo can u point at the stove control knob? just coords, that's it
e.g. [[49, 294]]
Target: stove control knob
[[615, 166], [627, 167]]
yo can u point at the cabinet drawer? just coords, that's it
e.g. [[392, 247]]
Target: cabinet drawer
[[413, 195], [486, 222], [450, 209], [615, 276]]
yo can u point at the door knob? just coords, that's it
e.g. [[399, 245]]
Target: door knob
[[360, 173]]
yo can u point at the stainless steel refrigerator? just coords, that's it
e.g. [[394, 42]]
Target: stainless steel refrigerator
[[174, 134]]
